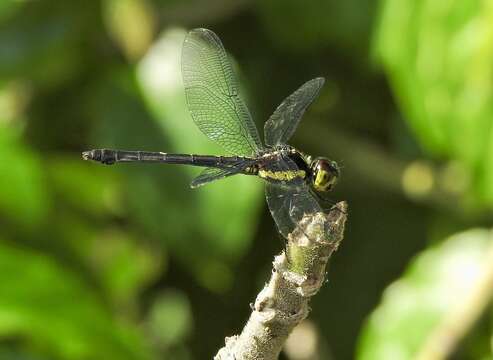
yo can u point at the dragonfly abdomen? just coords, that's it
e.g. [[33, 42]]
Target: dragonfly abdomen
[[108, 156]]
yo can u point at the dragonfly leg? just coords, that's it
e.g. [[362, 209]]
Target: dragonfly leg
[[324, 202]]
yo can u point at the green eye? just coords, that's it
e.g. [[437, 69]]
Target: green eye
[[324, 175]]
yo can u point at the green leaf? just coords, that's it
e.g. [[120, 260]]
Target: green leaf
[[8, 8], [10, 354], [433, 288], [90, 188], [125, 265], [23, 194], [56, 313], [439, 58]]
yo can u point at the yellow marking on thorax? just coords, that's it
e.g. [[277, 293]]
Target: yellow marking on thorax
[[281, 175]]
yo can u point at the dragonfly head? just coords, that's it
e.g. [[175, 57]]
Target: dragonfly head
[[325, 173]]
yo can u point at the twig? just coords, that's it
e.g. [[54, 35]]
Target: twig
[[297, 275]]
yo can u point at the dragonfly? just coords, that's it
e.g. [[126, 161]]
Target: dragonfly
[[296, 183]]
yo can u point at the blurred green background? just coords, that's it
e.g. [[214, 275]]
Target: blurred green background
[[127, 262]]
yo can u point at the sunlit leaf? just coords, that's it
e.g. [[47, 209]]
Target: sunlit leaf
[[170, 318], [134, 40], [14, 96], [439, 58], [53, 310], [435, 288]]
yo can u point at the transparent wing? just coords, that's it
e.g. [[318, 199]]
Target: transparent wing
[[212, 95], [212, 174], [288, 203], [284, 121]]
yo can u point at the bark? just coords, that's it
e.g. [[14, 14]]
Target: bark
[[298, 273]]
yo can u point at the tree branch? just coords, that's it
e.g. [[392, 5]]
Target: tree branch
[[298, 273]]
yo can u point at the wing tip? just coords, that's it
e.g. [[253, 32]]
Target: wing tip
[[199, 30], [203, 33]]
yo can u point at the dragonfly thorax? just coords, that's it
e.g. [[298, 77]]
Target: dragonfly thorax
[[319, 173], [283, 164]]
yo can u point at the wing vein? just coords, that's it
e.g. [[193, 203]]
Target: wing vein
[[212, 95]]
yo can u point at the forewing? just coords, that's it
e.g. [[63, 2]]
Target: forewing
[[288, 203], [211, 91], [284, 121]]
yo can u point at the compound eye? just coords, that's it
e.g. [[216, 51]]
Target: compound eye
[[324, 177]]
